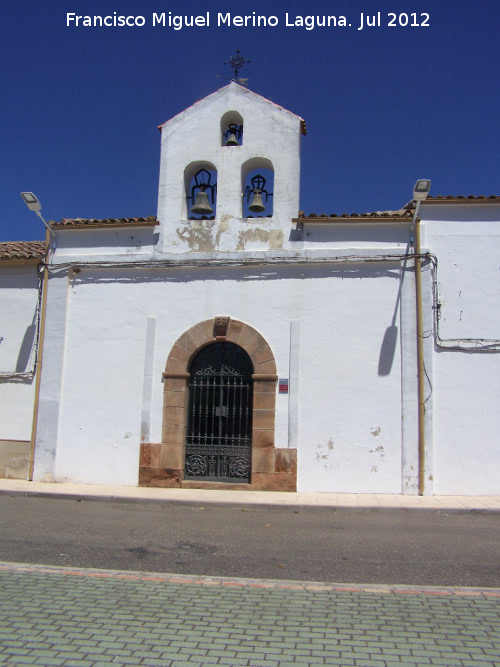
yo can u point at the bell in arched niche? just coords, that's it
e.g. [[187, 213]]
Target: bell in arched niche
[[254, 194], [233, 135], [200, 191]]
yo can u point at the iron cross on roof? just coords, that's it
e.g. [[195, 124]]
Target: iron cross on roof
[[236, 62]]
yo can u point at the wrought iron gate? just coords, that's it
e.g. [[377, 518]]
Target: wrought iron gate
[[219, 428]]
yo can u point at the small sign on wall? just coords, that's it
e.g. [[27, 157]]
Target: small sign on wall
[[283, 385]]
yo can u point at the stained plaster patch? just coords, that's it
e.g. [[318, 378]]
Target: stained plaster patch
[[201, 238], [198, 238], [273, 238]]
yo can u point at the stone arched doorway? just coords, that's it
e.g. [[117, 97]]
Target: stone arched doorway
[[163, 464]]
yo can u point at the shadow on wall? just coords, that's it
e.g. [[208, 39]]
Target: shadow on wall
[[24, 355], [223, 272], [388, 350]]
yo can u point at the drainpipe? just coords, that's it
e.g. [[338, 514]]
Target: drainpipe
[[420, 193], [43, 308]]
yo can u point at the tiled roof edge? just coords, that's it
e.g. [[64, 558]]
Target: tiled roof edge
[[94, 222], [405, 212], [463, 198], [402, 214], [22, 250]]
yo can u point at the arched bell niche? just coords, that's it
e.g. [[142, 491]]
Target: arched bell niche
[[257, 181], [200, 187], [231, 129]]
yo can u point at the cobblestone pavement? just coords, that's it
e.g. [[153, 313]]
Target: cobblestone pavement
[[98, 618]]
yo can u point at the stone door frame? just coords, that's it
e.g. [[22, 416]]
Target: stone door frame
[[162, 464]]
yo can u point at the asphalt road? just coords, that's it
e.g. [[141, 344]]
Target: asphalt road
[[276, 542]]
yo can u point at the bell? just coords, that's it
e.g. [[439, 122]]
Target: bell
[[201, 205], [231, 140], [256, 205]]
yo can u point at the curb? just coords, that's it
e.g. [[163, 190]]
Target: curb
[[383, 509], [275, 584]]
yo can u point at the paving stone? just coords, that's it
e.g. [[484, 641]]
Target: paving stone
[[12, 643], [116, 619], [17, 651]]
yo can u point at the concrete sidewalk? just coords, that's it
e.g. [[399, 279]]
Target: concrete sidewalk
[[346, 501]]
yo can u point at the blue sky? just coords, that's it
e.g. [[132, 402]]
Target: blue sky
[[383, 105]]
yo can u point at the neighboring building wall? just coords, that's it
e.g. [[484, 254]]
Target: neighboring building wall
[[19, 298], [465, 237]]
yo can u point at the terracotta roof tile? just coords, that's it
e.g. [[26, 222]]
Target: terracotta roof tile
[[463, 198], [22, 250], [406, 212], [83, 222]]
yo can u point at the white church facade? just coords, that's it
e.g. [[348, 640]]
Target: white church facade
[[234, 342]]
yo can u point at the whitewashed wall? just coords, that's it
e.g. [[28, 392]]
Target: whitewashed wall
[[349, 420], [270, 134], [18, 303], [466, 241], [355, 428], [350, 415]]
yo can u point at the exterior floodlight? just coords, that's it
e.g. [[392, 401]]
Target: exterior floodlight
[[420, 192], [421, 189], [31, 201]]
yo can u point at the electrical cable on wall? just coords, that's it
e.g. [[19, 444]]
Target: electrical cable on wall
[[471, 345], [29, 375], [490, 345]]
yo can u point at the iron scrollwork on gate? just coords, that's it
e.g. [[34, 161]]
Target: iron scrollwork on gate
[[219, 428]]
